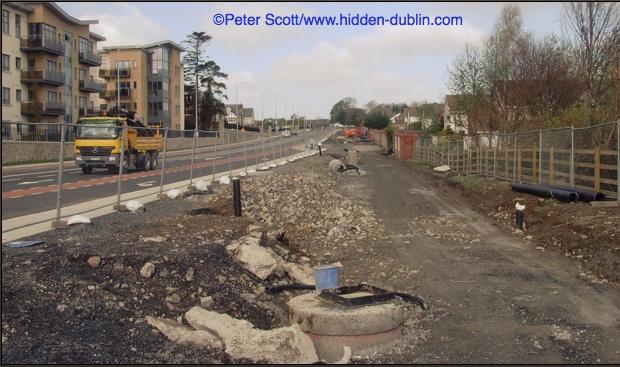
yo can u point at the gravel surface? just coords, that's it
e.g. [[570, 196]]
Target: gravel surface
[[494, 298]]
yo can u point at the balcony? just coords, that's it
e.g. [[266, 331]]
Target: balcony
[[45, 108], [125, 94], [89, 58], [158, 116], [114, 73], [91, 86], [89, 111], [48, 45], [46, 77]]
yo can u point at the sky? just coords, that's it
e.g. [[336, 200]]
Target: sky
[[306, 69]]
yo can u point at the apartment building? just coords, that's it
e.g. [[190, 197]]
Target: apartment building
[[146, 79], [47, 61]]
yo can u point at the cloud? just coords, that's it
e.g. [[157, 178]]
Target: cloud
[[124, 24]]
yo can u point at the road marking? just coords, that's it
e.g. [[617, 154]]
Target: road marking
[[38, 173], [34, 182], [146, 184], [212, 158]]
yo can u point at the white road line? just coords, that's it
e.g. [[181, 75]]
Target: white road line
[[34, 182], [146, 184], [38, 173]]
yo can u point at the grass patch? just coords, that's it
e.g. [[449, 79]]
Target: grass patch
[[467, 181], [545, 204], [415, 163]]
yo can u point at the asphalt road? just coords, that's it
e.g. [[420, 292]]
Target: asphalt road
[[29, 190]]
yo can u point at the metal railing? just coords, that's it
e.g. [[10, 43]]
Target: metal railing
[[89, 58], [43, 108], [587, 157], [172, 159], [92, 86], [39, 43], [43, 76], [113, 73]]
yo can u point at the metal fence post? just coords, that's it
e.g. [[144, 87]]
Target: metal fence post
[[540, 158], [618, 162], [514, 158], [61, 159], [217, 136], [245, 154], [572, 156], [121, 165], [163, 164], [494, 156], [263, 138], [229, 157], [191, 166]]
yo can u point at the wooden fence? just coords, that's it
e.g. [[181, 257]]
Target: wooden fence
[[596, 168]]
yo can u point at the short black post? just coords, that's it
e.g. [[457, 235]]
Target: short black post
[[520, 215], [237, 196], [320, 151]]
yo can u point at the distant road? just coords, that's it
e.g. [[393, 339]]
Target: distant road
[[34, 189]]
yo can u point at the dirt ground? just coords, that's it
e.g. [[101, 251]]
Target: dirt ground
[[587, 234], [495, 296], [58, 309]]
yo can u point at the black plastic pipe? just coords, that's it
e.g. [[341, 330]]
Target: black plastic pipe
[[584, 195], [545, 191], [237, 196]]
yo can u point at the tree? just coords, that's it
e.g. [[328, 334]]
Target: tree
[[194, 61], [212, 97], [596, 42], [337, 113], [376, 120]]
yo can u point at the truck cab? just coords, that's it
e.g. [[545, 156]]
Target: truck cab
[[99, 140]]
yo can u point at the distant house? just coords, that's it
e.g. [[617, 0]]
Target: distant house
[[454, 117], [232, 112], [248, 117]]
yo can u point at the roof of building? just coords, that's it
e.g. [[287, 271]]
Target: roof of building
[[145, 47], [18, 6], [165, 42], [96, 37]]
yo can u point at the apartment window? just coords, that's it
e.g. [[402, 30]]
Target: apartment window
[[82, 74], [18, 25], [6, 61], [122, 64], [85, 46], [6, 95], [18, 63], [51, 66], [82, 104], [135, 85], [160, 59], [18, 95], [178, 109], [104, 61], [31, 64], [5, 29], [52, 96], [30, 96], [124, 88]]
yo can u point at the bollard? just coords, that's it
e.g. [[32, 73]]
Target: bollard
[[236, 182], [163, 165], [519, 215], [320, 151]]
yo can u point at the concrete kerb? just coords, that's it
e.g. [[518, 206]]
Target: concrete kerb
[[14, 228]]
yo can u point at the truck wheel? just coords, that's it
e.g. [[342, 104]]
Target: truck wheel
[[146, 163], [154, 160], [125, 164], [87, 170]]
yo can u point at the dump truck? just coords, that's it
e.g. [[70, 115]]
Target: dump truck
[[98, 141]]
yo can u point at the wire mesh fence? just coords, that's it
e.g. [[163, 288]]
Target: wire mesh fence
[[110, 162], [586, 157]]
